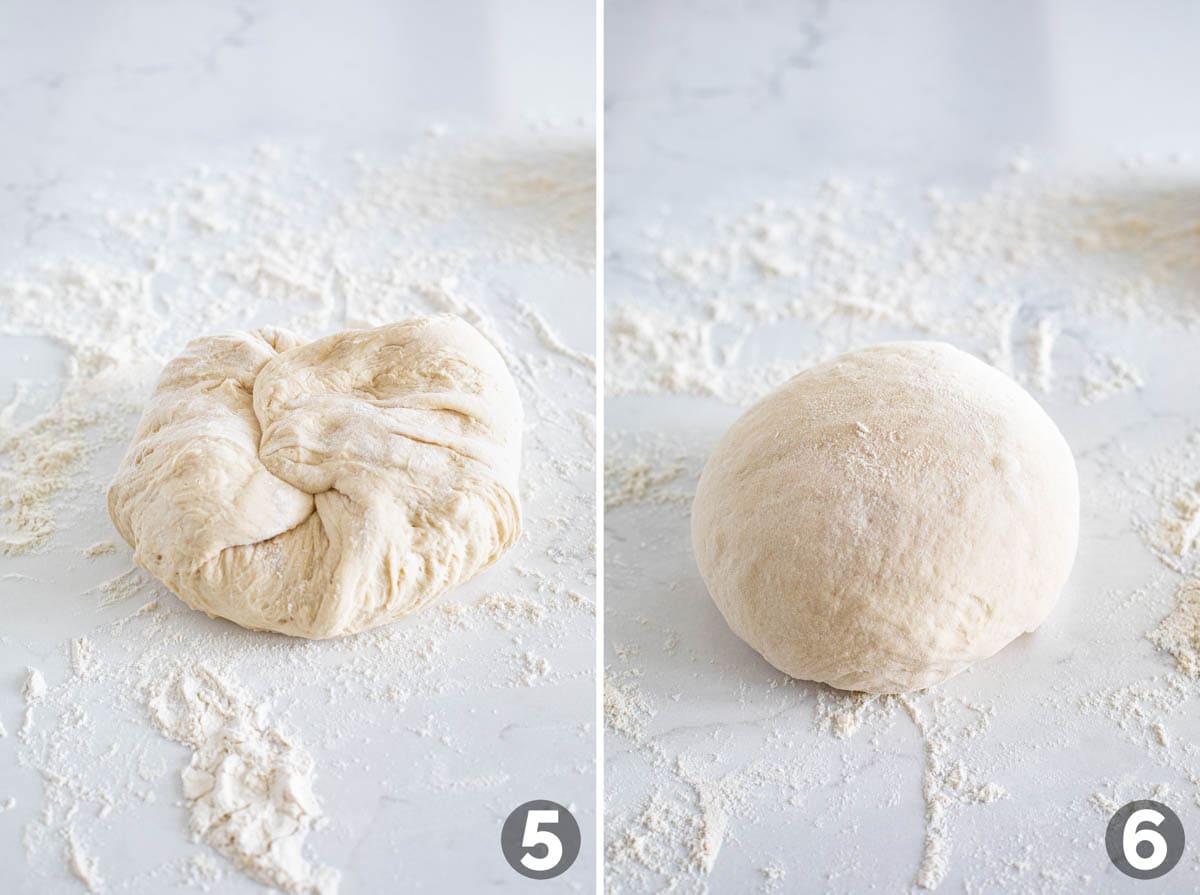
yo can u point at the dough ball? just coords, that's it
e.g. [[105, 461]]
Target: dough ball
[[884, 520], [324, 488]]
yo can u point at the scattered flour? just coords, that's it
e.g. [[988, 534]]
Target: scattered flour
[[626, 709], [846, 267], [315, 242], [1041, 345], [1108, 378], [34, 692], [1039, 274], [946, 782], [773, 872], [83, 658], [842, 714], [627, 481], [533, 668], [638, 470], [84, 865], [41, 456], [1179, 633], [128, 584], [1179, 526], [203, 872], [551, 340], [249, 785]]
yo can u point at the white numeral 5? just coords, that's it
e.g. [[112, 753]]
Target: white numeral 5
[[554, 847]]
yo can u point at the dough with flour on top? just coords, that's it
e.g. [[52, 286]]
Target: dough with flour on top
[[322, 488], [886, 519]]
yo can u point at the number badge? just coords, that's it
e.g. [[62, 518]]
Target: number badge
[[540, 839], [1144, 839]]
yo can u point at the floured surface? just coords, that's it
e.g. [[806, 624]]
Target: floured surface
[[249, 785], [802, 198], [248, 760]]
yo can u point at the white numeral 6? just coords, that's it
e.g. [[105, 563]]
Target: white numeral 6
[[1131, 837]]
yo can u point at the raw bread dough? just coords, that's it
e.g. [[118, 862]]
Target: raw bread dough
[[324, 488], [886, 519]]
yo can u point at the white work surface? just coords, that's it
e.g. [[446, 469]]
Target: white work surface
[[168, 171], [770, 175]]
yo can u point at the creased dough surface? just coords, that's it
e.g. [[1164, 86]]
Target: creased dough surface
[[322, 488], [886, 519]]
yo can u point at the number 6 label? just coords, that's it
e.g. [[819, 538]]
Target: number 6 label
[[1144, 839], [540, 839]]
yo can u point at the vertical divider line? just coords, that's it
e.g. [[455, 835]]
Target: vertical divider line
[[599, 552]]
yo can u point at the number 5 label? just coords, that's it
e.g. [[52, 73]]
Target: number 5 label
[[540, 839], [534, 836]]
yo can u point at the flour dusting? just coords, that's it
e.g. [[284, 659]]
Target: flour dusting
[[314, 240], [249, 785], [1041, 273]]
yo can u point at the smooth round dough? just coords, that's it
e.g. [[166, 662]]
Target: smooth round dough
[[321, 489], [886, 519]]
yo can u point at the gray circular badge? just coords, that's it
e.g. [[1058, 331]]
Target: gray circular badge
[[540, 839], [1144, 839]]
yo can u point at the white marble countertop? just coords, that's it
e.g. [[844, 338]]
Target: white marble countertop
[[726, 123], [107, 113]]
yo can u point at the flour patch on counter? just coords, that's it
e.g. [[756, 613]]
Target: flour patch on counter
[[1041, 347], [946, 784], [551, 341], [34, 692], [1179, 634], [83, 864], [636, 479], [203, 872], [83, 658], [250, 784], [842, 714], [626, 709], [533, 669], [1109, 377]]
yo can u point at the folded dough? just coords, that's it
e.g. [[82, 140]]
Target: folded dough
[[321, 489]]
